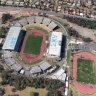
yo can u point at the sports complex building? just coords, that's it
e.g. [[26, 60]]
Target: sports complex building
[[33, 44]]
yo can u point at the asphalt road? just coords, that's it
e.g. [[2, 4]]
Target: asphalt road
[[52, 13]]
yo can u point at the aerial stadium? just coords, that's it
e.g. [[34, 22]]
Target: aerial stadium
[[36, 44]]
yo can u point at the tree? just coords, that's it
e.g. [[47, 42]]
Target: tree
[[71, 93], [20, 81], [2, 91], [3, 31], [6, 17], [1, 68], [91, 24], [87, 39]]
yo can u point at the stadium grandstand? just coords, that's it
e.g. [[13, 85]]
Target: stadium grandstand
[[55, 45], [13, 39]]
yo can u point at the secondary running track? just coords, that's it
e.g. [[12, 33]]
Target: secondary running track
[[30, 57], [84, 88]]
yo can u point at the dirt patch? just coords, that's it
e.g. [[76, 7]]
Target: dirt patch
[[88, 33]]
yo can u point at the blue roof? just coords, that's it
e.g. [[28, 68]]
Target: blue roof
[[11, 38]]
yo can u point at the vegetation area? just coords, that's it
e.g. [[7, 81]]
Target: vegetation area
[[2, 91], [54, 93], [3, 31], [20, 82], [82, 22], [6, 17], [74, 33], [21, 17], [35, 94], [33, 45], [85, 72]]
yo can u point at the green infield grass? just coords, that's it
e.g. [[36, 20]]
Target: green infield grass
[[86, 71], [33, 45]]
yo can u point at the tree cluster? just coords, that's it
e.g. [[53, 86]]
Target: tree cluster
[[2, 91], [1, 68], [91, 24], [74, 33], [6, 17], [54, 93], [3, 31], [20, 81]]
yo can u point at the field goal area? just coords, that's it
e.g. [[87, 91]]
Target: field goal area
[[86, 71], [33, 44]]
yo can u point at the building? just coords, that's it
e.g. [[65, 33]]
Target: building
[[14, 39], [45, 66], [55, 45], [11, 39], [60, 75], [35, 70]]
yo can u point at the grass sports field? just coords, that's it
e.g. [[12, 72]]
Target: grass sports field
[[33, 45], [86, 71]]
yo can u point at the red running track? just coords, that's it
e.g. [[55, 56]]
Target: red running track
[[30, 57], [84, 88]]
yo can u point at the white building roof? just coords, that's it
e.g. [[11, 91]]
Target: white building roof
[[60, 74], [52, 25], [17, 24], [22, 71], [11, 38], [10, 2], [39, 19], [45, 66], [66, 92], [1, 39], [16, 67], [35, 69], [7, 54], [67, 85], [46, 21], [9, 62], [55, 44], [23, 21], [31, 19]]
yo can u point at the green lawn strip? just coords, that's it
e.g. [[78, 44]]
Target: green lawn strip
[[35, 94], [79, 51], [29, 29], [22, 17], [52, 94], [25, 62], [33, 45], [85, 72], [68, 54]]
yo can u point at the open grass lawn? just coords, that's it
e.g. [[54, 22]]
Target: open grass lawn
[[86, 71], [33, 45], [26, 92]]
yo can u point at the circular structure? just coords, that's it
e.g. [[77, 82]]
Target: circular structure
[[83, 81], [34, 45]]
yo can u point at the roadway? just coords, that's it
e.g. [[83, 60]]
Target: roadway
[[51, 13]]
